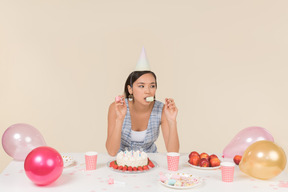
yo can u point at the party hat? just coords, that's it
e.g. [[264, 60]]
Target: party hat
[[142, 64]]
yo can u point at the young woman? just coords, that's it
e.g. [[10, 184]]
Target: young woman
[[134, 119]]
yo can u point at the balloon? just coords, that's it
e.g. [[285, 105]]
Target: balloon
[[19, 139], [263, 160], [43, 165], [245, 138]]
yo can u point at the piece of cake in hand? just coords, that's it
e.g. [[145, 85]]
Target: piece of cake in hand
[[118, 98]]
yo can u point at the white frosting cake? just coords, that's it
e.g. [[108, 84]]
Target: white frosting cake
[[132, 158]]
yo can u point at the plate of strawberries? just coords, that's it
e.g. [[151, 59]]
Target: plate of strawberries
[[132, 170], [203, 161]]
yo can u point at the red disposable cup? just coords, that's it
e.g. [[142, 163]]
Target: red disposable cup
[[173, 161], [91, 160], [227, 169]]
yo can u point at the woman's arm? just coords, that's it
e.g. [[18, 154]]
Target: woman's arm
[[116, 115], [169, 126]]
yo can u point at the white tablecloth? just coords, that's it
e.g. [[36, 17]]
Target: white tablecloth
[[75, 178]]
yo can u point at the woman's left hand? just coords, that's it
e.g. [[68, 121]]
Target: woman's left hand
[[170, 109]]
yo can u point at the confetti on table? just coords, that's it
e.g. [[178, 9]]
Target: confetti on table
[[283, 184]]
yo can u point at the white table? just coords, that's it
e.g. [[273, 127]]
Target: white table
[[75, 178]]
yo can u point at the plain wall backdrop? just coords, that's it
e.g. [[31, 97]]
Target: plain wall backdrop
[[224, 62]]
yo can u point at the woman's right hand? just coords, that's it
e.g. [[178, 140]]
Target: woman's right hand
[[116, 115], [120, 107]]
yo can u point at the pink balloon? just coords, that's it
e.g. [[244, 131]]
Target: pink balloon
[[19, 139], [43, 165], [245, 138]]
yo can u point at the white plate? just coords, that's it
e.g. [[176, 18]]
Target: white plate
[[203, 168], [195, 180], [131, 172], [67, 160]]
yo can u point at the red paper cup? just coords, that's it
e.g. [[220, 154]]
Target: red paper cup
[[173, 161], [227, 169], [91, 160]]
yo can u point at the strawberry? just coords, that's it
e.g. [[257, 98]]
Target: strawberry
[[140, 168], [125, 168], [130, 168], [145, 167], [112, 163], [115, 166], [120, 167], [150, 164], [134, 168]]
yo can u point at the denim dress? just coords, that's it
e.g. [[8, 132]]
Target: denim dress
[[152, 133]]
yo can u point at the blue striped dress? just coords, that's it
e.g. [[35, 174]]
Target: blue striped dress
[[152, 133]]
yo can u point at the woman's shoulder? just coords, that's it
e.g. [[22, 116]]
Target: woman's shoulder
[[158, 107], [159, 103]]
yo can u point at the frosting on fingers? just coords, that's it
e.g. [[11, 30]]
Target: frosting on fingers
[[118, 98]]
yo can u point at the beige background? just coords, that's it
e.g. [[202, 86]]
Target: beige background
[[224, 62]]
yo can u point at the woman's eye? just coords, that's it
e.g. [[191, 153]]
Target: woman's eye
[[141, 86], [153, 86]]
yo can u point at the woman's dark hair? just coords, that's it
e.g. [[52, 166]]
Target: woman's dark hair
[[133, 77]]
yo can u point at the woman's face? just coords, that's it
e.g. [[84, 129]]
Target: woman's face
[[144, 86]]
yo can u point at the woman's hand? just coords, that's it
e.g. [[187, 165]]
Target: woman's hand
[[170, 109], [116, 116], [169, 126], [120, 107]]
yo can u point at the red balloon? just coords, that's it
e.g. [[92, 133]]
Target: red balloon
[[43, 165]]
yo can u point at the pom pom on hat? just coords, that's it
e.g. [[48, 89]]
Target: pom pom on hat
[[143, 64]]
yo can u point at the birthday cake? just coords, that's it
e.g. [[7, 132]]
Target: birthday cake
[[132, 158]]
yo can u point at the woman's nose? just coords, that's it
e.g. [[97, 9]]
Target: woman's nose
[[147, 90]]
